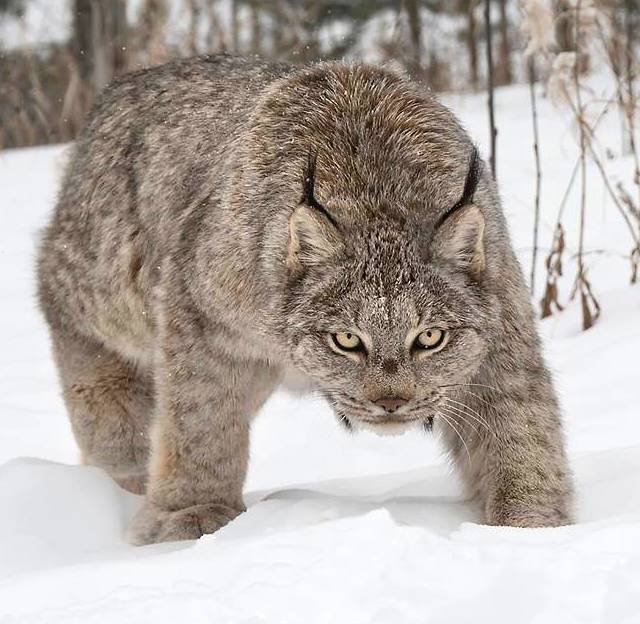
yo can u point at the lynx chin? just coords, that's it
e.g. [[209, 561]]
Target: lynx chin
[[223, 221]]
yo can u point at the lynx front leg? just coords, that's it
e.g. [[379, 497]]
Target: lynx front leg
[[516, 464], [110, 404], [200, 444], [527, 478]]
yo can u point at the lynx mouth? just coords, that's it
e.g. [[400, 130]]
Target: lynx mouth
[[386, 426], [353, 417]]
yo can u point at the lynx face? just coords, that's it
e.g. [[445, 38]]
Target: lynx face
[[389, 379], [388, 324]]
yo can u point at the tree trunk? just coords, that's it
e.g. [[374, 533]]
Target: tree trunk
[[493, 131], [564, 26], [216, 38], [100, 40], [415, 31], [505, 76], [195, 12], [472, 44], [235, 27], [256, 30]]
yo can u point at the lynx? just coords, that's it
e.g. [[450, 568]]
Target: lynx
[[223, 221]]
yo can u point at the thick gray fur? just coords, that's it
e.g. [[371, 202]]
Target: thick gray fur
[[184, 271]]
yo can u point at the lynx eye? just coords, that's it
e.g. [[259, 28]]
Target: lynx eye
[[431, 340], [347, 341]]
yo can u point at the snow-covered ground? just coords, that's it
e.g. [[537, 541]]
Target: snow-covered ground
[[340, 529]]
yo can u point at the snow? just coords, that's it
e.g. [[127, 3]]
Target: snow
[[340, 528]]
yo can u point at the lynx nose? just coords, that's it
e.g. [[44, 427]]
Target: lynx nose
[[391, 404]]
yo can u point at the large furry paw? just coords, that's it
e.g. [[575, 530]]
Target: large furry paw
[[527, 516], [153, 524]]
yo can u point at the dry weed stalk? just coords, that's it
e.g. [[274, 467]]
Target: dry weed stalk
[[566, 86], [590, 305], [634, 211], [553, 264], [493, 130], [619, 53], [537, 29], [536, 153]]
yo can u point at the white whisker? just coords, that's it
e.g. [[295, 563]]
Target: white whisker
[[458, 416], [469, 412], [448, 422], [469, 385], [477, 396]]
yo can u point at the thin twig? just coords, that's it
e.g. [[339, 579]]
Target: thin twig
[[536, 152], [492, 121]]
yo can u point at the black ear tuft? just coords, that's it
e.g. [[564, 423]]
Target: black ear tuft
[[308, 188], [471, 182], [470, 185], [458, 236], [309, 181], [314, 235]]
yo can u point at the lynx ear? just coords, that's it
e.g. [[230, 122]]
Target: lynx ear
[[459, 240], [313, 238]]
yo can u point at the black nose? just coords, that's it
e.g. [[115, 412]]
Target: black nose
[[391, 404]]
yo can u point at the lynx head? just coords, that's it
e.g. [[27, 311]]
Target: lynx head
[[383, 315]]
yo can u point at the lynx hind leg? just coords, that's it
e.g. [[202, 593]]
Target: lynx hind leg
[[110, 404]]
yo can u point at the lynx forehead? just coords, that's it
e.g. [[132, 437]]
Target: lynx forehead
[[224, 220]]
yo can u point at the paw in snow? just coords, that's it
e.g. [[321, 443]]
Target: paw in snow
[[153, 524], [505, 513]]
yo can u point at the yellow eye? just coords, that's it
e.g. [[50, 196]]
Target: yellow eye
[[347, 341], [431, 339]]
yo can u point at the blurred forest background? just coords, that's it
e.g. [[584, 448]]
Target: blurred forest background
[[56, 55], [48, 78]]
